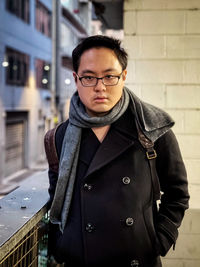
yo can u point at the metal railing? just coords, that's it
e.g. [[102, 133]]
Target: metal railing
[[25, 253], [23, 217]]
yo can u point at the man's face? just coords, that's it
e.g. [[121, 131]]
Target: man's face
[[99, 62]]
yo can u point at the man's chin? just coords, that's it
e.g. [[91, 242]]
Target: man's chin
[[97, 113]]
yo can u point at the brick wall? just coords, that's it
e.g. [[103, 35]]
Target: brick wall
[[162, 38]]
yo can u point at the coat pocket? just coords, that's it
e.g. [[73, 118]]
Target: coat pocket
[[167, 233], [149, 223]]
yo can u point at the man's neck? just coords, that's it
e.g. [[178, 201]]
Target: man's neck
[[101, 132]]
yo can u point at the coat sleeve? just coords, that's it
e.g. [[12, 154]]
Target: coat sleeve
[[53, 177], [174, 186]]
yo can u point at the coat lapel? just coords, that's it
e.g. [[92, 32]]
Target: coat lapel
[[113, 145]]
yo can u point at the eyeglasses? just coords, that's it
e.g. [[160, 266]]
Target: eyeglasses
[[108, 80]]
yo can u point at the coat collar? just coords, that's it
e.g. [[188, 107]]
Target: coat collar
[[151, 120], [126, 124], [120, 137]]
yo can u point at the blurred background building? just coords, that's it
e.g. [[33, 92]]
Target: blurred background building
[[25, 82]]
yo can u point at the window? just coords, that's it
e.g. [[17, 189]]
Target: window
[[17, 71], [20, 8], [67, 62], [43, 19], [42, 69]]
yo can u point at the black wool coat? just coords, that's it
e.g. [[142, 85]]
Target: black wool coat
[[113, 219]]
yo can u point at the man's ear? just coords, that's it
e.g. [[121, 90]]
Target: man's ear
[[75, 77], [124, 75]]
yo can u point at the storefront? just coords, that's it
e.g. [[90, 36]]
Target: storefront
[[16, 127]]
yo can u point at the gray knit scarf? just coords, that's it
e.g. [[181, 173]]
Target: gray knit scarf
[[153, 122]]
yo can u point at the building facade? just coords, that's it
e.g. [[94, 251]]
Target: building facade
[[25, 56]]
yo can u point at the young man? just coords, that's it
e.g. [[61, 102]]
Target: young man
[[110, 152]]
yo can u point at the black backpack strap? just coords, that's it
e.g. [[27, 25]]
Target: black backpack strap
[[151, 156], [50, 149]]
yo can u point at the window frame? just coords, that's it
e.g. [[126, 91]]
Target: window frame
[[43, 19], [41, 73], [19, 62], [20, 8]]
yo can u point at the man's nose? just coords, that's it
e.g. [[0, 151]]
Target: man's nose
[[100, 86]]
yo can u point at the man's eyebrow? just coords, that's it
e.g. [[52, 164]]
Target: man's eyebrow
[[93, 72], [87, 71], [110, 69]]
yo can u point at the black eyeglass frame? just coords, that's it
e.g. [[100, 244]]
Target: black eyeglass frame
[[99, 78]]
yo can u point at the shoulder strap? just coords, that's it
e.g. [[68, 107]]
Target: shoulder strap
[[151, 156], [50, 149]]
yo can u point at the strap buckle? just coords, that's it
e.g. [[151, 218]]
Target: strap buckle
[[151, 154]]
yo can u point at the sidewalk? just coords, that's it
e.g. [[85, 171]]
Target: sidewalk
[[13, 181]]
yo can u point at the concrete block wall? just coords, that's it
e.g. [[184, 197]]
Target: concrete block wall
[[162, 38]]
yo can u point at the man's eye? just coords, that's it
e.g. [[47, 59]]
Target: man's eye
[[109, 77], [88, 78]]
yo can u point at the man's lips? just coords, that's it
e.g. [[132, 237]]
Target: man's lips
[[100, 99]]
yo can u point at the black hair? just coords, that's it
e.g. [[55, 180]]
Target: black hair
[[99, 41]]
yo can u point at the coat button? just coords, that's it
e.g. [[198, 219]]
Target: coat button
[[126, 180], [89, 228], [129, 221], [87, 187], [135, 263]]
